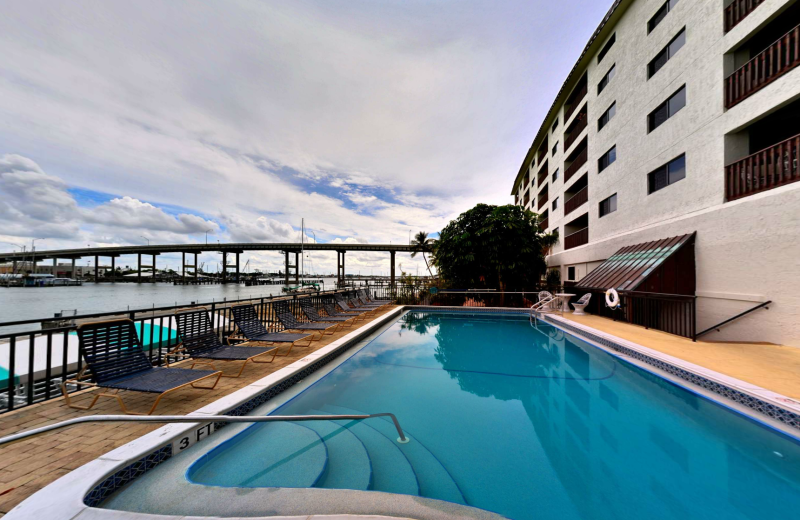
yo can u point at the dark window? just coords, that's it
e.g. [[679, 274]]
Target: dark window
[[606, 79], [666, 109], [668, 6], [555, 125], [666, 54], [608, 205], [555, 175], [571, 273], [670, 173], [555, 203], [607, 116], [607, 159], [606, 47], [555, 148]]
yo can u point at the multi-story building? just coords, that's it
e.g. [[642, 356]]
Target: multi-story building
[[682, 117]]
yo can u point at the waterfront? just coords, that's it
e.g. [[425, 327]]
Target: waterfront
[[23, 303]]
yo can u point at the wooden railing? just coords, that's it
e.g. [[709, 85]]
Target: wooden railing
[[527, 198], [577, 200], [577, 238], [580, 125], [543, 196], [577, 97], [770, 64], [542, 175], [579, 161], [738, 11], [764, 170], [543, 225]]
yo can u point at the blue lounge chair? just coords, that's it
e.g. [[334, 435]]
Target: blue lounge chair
[[200, 341], [115, 359], [312, 314], [250, 329], [287, 318]]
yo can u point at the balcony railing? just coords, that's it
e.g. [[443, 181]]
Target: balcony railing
[[770, 64], [544, 224], [738, 11], [576, 100], [542, 199], [577, 238], [542, 175], [577, 200], [579, 161], [575, 132], [764, 170]]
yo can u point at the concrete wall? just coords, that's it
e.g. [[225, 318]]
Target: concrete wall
[[747, 251]]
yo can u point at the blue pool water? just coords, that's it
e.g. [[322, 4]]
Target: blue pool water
[[528, 423]]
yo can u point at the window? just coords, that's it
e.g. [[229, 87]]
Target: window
[[670, 173], [606, 47], [606, 79], [555, 175], [571, 273], [668, 6], [555, 125], [607, 115], [607, 159], [608, 205], [555, 203], [666, 54], [555, 148], [666, 109]]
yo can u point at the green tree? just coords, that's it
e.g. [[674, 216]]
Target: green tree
[[493, 246], [422, 244]]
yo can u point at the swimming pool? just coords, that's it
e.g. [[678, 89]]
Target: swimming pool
[[525, 422]]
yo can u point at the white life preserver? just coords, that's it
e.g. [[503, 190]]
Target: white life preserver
[[612, 298]]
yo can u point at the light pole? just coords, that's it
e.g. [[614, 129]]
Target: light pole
[[148, 240], [207, 230], [33, 253]]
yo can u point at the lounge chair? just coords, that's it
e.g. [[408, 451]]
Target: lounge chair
[[200, 341], [116, 360], [359, 306], [312, 314], [350, 306], [250, 329], [581, 304], [330, 305], [289, 321], [364, 296]]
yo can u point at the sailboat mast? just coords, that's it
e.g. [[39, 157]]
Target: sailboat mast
[[302, 255]]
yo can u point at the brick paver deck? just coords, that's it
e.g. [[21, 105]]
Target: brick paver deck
[[27, 466]]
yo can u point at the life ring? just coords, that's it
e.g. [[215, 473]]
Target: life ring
[[612, 298]]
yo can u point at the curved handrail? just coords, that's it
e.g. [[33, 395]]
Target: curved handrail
[[198, 419]]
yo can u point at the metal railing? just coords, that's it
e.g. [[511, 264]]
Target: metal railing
[[672, 313], [738, 11], [767, 66], [38, 360], [764, 170], [199, 419]]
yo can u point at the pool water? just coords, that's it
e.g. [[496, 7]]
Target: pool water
[[530, 423]]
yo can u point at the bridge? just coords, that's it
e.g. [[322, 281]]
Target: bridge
[[234, 249]]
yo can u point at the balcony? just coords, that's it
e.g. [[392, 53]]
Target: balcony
[[526, 199], [544, 221], [576, 128], [575, 99], [578, 238], [764, 170], [541, 177], [767, 66], [576, 201], [738, 11], [543, 197], [542, 152], [576, 160]]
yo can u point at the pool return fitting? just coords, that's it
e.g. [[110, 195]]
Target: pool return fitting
[[402, 439]]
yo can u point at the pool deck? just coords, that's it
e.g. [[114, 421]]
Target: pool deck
[[28, 466], [770, 366]]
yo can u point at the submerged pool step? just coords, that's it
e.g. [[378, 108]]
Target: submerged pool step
[[391, 470], [434, 479], [348, 465]]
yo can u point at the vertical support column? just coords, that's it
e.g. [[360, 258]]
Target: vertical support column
[[153, 278], [34, 265], [296, 267], [72, 269], [113, 269], [139, 269], [183, 267], [55, 267], [237, 268], [286, 269], [224, 267], [96, 268], [391, 277], [195, 266]]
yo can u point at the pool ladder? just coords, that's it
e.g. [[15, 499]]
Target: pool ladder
[[402, 439]]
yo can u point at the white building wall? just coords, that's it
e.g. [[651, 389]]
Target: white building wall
[[747, 251]]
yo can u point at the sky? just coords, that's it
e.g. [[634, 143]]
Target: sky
[[123, 122]]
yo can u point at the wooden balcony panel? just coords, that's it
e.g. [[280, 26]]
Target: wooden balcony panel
[[577, 200], [577, 238], [738, 11], [570, 138], [767, 66], [764, 170], [576, 100], [576, 165]]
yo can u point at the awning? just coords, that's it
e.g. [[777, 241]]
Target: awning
[[661, 266]]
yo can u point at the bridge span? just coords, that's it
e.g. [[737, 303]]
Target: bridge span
[[189, 270]]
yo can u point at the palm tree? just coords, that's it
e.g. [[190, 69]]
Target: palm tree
[[422, 244]]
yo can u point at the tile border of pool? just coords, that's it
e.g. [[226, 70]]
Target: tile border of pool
[[76, 495]]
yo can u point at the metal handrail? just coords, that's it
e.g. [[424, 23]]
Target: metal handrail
[[720, 324], [198, 419]]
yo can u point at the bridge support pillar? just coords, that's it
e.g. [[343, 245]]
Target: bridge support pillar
[[237, 268], [139, 268], [96, 268], [340, 279], [224, 267], [183, 267], [153, 278], [286, 268], [195, 266], [113, 269], [391, 271], [72, 269], [296, 267]]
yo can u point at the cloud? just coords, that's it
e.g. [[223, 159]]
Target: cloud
[[127, 212]]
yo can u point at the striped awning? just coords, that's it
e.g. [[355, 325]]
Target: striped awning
[[630, 267]]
